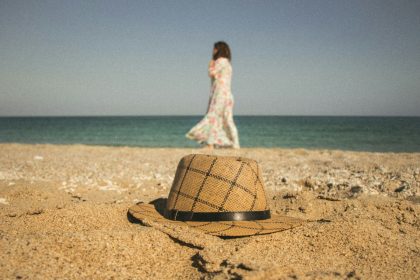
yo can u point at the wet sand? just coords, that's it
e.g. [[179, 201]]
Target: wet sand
[[64, 215]]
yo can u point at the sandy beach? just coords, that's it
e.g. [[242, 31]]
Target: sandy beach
[[64, 216]]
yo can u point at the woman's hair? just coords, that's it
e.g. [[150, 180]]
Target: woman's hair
[[222, 50]]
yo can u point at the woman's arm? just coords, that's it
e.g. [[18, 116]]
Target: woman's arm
[[215, 67]]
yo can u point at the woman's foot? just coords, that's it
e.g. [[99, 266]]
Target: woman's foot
[[208, 147]]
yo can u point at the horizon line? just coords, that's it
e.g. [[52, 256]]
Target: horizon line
[[192, 115]]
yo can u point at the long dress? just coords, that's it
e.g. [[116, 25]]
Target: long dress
[[217, 126]]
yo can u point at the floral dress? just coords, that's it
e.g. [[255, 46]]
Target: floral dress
[[217, 127]]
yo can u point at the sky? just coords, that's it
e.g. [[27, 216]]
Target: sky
[[95, 58]]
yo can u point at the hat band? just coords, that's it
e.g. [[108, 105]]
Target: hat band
[[184, 216]]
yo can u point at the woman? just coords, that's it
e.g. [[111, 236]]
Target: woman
[[217, 127]]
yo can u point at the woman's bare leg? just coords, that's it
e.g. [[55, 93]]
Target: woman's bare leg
[[209, 147]]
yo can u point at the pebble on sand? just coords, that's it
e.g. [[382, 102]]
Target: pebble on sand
[[3, 201]]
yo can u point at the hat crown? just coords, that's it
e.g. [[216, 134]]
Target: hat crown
[[206, 183]]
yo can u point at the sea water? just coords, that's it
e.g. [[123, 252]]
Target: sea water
[[377, 134]]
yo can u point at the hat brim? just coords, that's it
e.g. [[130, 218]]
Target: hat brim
[[154, 212]]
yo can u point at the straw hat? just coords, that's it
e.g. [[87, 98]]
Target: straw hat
[[219, 195]]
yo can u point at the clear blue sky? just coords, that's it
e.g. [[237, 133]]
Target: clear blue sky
[[338, 57]]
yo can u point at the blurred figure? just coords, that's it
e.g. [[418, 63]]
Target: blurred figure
[[217, 128]]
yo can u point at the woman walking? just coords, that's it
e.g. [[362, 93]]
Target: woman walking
[[217, 128]]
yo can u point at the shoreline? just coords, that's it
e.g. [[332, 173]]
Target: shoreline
[[199, 149], [64, 210]]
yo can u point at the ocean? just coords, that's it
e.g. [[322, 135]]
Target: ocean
[[375, 134]]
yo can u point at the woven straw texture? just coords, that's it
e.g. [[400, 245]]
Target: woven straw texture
[[205, 183]]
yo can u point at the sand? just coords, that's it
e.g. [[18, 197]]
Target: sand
[[64, 216]]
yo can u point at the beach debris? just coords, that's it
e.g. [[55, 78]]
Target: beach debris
[[302, 209], [356, 189], [35, 211], [4, 201], [290, 196], [329, 198], [330, 184], [38, 158], [401, 188], [78, 198]]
